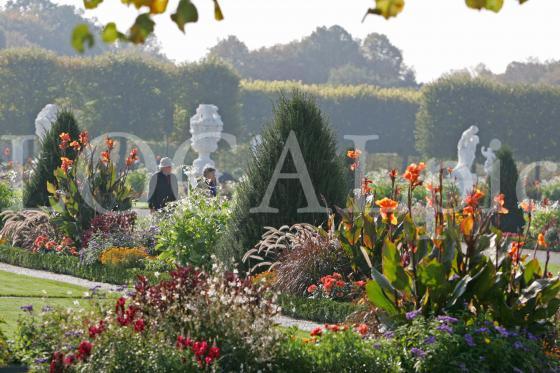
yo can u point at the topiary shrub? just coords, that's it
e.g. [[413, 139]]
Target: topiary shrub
[[35, 192], [513, 221], [296, 115]]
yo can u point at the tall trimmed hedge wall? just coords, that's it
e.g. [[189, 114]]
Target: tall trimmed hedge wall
[[526, 118], [351, 110]]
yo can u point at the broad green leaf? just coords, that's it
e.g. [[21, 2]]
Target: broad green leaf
[[532, 271], [81, 37], [51, 188], [218, 15], [110, 33], [392, 268], [142, 28], [459, 290], [369, 235], [186, 13], [376, 296], [92, 4]]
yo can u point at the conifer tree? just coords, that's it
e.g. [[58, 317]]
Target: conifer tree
[[513, 221]]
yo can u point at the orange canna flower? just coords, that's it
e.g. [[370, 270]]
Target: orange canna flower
[[66, 164], [412, 173], [353, 154], [65, 137], [473, 198], [133, 157], [110, 143], [515, 251], [500, 200], [75, 145], [84, 138], [366, 188], [388, 207], [362, 329], [528, 206], [393, 173], [542, 241], [105, 157]]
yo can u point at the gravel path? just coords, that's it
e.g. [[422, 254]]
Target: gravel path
[[280, 320]]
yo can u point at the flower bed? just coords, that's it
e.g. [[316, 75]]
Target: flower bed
[[318, 310]]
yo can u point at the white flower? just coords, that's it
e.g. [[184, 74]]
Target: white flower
[[156, 274]]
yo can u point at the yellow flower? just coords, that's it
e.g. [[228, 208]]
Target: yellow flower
[[120, 255]]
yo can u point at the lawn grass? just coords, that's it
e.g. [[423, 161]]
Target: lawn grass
[[554, 268], [14, 285], [19, 290]]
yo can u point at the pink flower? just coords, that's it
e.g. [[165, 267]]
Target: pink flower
[[318, 331], [311, 289]]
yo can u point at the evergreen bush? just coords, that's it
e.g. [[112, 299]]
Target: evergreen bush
[[299, 115], [35, 191], [512, 221]]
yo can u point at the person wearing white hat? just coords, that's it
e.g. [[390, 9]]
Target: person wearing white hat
[[163, 186]]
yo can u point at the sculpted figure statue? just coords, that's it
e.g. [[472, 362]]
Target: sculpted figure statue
[[466, 154], [45, 119]]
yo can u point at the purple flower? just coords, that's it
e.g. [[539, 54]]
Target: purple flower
[[482, 330], [417, 352], [47, 308], [469, 340], [42, 360], [430, 340], [27, 308], [518, 345], [412, 314], [447, 319], [503, 331], [73, 333], [531, 337], [377, 346], [445, 328], [389, 334]]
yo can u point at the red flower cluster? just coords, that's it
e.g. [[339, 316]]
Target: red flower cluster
[[59, 362], [333, 286], [66, 140], [132, 158], [45, 245], [96, 330], [84, 350], [203, 354]]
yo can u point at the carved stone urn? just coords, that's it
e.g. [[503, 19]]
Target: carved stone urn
[[206, 129]]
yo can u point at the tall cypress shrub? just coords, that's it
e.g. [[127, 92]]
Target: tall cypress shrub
[[513, 221], [299, 115], [35, 193]]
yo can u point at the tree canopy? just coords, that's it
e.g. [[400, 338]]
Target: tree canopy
[[374, 60]]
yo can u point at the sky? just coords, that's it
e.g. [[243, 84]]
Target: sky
[[436, 36]]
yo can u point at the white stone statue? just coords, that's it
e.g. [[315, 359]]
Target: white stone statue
[[45, 120], [466, 153], [488, 153], [206, 129]]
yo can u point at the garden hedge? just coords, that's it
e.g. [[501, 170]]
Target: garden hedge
[[523, 117], [67, 265], [318, 310], [351, 110]]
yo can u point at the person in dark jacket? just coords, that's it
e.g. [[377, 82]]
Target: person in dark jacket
[[163, 186]]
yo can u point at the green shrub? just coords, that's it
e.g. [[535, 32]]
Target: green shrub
[[300, 116], [6, 196], [318, 310], [513, 221], [137, 180], [68, 265], [344, 351], [551, 189], [190, 229], [35, 192], [5, 353]]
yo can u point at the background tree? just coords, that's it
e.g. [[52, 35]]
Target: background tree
[[512, 221], [35, 192], [301, 115]]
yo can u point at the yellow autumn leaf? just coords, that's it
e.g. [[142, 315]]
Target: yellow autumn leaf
[[387, 8], [158, 6]]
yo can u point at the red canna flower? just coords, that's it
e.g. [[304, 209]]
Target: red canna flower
[[515, 251], [500, 200], [366, 188], [132, 158], [75, 145], [318, 331], [332, 327], [412, 173], [110, 143], [66, 164], [393, 174], [84, 138], [360, 283], [105, 157], [528, 206], [353, 154], [473, 198], [542, 241], [64, 140], [311, 289], [362, 329]]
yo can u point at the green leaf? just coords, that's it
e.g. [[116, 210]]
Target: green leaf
[[110, 33], [92, 4], [51, 188], [493, 5], [80, 37], [142, 28], [379, 299], [218, 15], [532, 271], [392, 268], [186, 13]]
